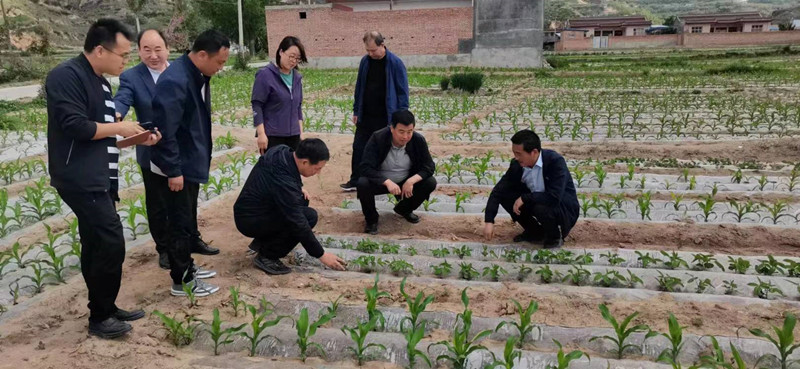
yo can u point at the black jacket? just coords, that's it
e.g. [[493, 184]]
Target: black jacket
[[378, 148], [136, 90], [559, 190], [274, 191], [184, 121], [75, 103]]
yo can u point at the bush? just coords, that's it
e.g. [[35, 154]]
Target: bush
[[557, 63], [469, 82], [445, 83], [242, 60], [740, 68], [15, 68]]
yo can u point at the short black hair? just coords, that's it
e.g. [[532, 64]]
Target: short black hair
[[288, 42], [313, 149], [211, 41], [528, 139], [403, 117], [141, 34], [104, 32]]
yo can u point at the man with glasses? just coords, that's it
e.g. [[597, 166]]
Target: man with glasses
[[83, 161], [136, 89]]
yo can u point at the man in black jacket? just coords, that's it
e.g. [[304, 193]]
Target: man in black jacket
[[537, 191], [396, 161], [182, 111], [273, 207], [83, 159]]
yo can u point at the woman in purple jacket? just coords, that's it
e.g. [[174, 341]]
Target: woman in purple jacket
[[278, 98]]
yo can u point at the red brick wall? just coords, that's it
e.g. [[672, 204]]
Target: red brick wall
[[688, 40], [640, 42], [330, 32]]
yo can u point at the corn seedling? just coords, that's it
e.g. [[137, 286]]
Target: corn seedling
[[359, 336], [225, 142], [610, 208], [307, 329], [413, 337], [494, 272], [668, 283], [738, 265], [427, 203], [462, 346], [707, 207], [763, 289], [416, 306], [180, 331], [600, 175], [563, 359], [783, 341], [333, 308], [525, 326], [38, 276], [259, 323], [372, 295], [717, 358], [622, 331], [675, 337], [510, 356], [236, 302], [461, 197], [742, 210], [467, 272], [776, 211], [346, 203], [442, 270], [221, 336]]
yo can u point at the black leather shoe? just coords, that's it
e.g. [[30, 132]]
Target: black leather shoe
[[163, 260], [348, 187], [410, 217], [129, 316], [201, 247], [371, 228], [109, 328], [527, 237], [553, 243], [269, 266]]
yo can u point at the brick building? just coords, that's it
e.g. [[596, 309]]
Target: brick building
[[336, 28], [724, 23], [610, 26]]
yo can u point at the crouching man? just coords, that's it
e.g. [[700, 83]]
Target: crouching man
[[273, 207], [396, 161], [538, 192]]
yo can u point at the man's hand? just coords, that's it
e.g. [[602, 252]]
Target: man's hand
[[408, 189], [518, 205], [305, 193], [355, 119], [332, 261], [393, 188], [153, 139], [128, 128], [176, 184], [488, 231], [262, 141]]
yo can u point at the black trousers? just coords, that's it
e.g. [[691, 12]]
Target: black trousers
[[368, 190], [291, 141], [182, 214], [537, 219], [362, 135], [274, 238], [155, 190], [102, 248]]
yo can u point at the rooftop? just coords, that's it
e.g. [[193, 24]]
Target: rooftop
[[593, 22], [724, 18]]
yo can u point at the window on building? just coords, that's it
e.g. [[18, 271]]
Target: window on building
[[637, 32], [757, 28], [619, 32], [303, 15], [697, 29], [720, 30], [598, 33], [733, 29]]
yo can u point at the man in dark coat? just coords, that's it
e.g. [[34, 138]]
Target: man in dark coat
[[538, 192], [273, 207], [396, 161]]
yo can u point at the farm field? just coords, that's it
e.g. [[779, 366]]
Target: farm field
[[688, 175]]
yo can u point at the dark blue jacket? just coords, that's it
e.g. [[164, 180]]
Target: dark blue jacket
[[184, 121], [559, 190], [396, 86], [136, 89]]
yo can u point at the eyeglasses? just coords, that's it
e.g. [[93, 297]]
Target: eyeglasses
[[125, 56], [293, 58]]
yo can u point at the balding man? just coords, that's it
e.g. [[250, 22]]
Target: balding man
[[381, 90], [136, 89]]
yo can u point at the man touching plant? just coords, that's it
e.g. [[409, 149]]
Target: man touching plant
[[537, 191]]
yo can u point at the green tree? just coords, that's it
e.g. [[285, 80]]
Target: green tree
[[223, 17]]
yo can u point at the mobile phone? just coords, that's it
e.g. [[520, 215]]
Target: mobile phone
[[149, 126]]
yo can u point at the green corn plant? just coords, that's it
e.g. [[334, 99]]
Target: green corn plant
[[462, 346], [610, 278], [236, 302], [440, 252], [510, 356], [783, 341], [692, 183], [742, 210], [738, 265], [737, 177], [645, 259], [307, 329], [684, 175], [763, 289], [523, 271], [563, 359], [462, 251], [416, 306], [5, 261], [762, 182], [401, 267], [38, 205], [494, 272], [346, 203], [427, 203], [776, 211], [668, 283], [372, 295], [610, 208], [580, 177], [413, 336], [770, 266], [600, 175], [717, 359], [707, 207], [180, 331], [359, 336], [467, 272], [546, 274], [645, 205], [674, 261], [675, 337], [38, 277], [730, 287], [221, 336], [259, 323], [461, 197], [442, 270], [706, 262], [525, 326], [677, 200], [333, 308], [613, 258], [633, 280], [587, 204], [577, 275], [622, 331]]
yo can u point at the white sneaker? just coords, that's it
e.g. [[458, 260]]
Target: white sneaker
[[200, 288], [201, 273]]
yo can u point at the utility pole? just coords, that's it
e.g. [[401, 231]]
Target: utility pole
[[241, 29], [6, 25]]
